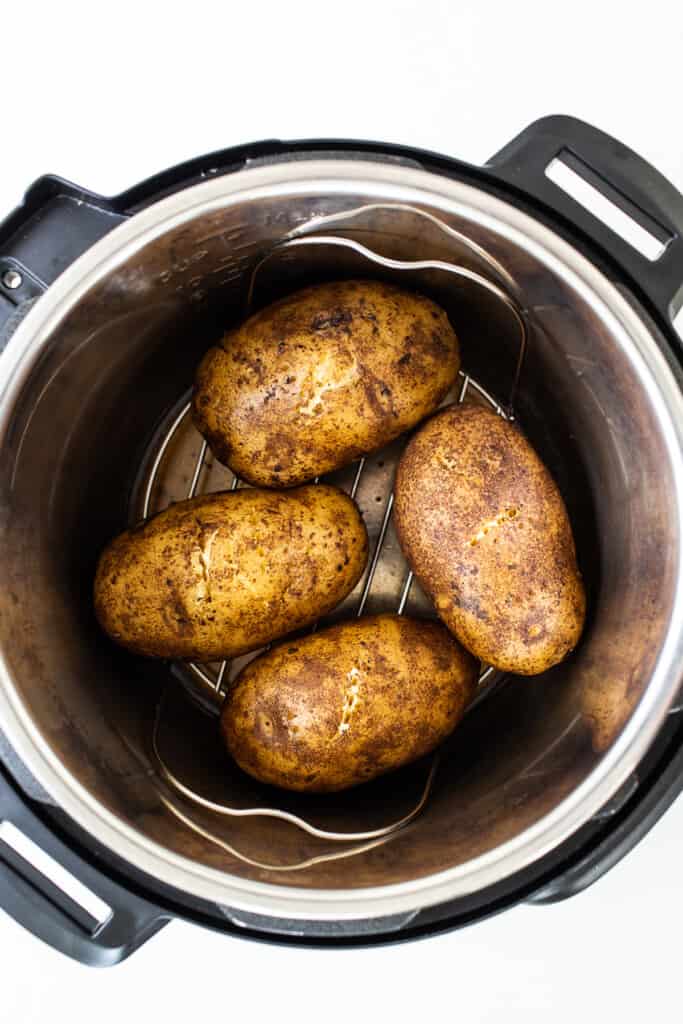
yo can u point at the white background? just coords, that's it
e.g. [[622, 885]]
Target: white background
[[106, 94]]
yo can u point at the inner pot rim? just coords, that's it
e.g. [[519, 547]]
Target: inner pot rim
[[636, 343]]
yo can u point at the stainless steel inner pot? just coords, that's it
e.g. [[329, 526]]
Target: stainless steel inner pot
[[92, 375]]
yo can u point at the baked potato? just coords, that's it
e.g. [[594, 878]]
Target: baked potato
[[322, 377], [347, 704], [486, 532], [226, 573]]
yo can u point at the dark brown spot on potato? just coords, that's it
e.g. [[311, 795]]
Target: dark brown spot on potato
[[337, 318]]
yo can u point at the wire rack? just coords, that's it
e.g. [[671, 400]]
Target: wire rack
[[180, 465], [212, 680]]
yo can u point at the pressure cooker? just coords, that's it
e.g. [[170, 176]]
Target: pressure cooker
[[106, 307]]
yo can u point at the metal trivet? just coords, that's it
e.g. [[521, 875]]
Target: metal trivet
[[183, 467]]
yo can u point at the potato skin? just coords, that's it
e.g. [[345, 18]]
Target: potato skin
[[226, 573], [322, 377], [347, 704], [486, 532]]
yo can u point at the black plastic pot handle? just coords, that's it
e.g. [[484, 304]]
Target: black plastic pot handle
[[44, 909], [623, 177], [57, 221], [53, 226]]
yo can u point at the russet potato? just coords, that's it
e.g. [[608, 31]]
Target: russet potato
[[485, 529], [322, 377], [223, 574], [347, 704]]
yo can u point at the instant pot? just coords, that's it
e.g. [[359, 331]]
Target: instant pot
[[106, 307]]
